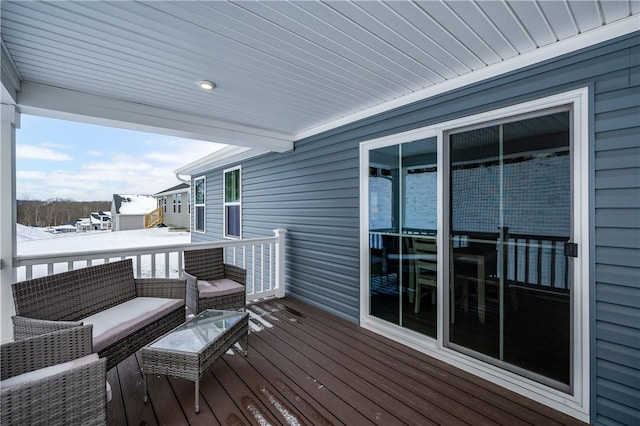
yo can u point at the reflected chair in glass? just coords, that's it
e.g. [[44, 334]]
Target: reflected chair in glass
[[425, 258], [211, 283]]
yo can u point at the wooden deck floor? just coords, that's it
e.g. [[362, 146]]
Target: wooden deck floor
[[307, 367]]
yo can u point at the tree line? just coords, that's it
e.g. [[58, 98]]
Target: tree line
[[56, 211]]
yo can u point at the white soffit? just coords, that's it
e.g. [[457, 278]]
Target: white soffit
[[284, 70], [585, 40]]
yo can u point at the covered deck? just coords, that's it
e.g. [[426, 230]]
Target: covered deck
[[308, 367]]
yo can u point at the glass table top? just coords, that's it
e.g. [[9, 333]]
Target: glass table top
[[197, 334]]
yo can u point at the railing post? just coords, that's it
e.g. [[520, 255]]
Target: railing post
[[280, 282], [9, 121]]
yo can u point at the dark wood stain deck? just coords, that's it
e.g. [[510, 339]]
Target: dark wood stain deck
[[307, 367]]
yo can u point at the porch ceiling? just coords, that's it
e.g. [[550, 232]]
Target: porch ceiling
[[283, 70]]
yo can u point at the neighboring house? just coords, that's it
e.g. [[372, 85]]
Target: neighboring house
[[176, 208], [65, 228], [128, 211], [97, 221], [526, 185]]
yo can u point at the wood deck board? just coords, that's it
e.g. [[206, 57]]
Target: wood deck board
[[223, 406], [132, 388], [309, 406], [502, 401], [165, 404], [320, 377], [311, 367], [420, 395], [383, 385], [316, 390]]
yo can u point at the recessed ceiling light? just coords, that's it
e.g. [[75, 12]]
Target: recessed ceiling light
[[206, 85]]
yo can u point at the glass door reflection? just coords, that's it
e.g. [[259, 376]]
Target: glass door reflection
[[510, 217], [402, 233]]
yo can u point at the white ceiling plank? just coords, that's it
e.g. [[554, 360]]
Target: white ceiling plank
[[421, 15], [421, 47], [274, 41], [616, 9], [227, 55], [478, 20], [313, 27], [560, 18], [424, 27], [587, 13], [388, 41], [442, 12], [534, 20], [500, 13], [372, 31], [378, 54]]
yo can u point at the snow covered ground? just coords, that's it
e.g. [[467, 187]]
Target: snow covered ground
[[37, 241]]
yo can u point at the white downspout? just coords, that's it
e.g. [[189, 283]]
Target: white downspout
[[182, 179], [9, 121]]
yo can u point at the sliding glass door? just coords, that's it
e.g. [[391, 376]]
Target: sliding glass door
[[402, 235], [510, 226]]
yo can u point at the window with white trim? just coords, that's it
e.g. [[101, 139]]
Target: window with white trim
[[199, 185], [179, 198], [232, 203]]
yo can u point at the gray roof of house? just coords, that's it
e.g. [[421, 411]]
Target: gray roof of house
[[173, 189]]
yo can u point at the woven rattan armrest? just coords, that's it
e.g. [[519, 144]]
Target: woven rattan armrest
[[34, 353], [235, 273], [170, 288], [73, 396], [24, 327], [191, 280]]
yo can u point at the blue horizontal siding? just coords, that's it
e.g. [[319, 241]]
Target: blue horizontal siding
[[313, 193]]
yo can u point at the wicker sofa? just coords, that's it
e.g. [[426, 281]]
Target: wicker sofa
[[126, 313], [53, 379]]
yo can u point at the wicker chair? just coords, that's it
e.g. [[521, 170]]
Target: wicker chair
[[75, 394], [212, 284]]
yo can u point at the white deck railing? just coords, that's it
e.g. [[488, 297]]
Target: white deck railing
[[263, 258]]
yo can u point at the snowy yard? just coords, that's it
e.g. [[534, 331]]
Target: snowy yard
[[37, 241]]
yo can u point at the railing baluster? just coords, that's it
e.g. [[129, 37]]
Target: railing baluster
[[271, 281], [70, 265], [49, 268], [166, 264], [29, 271], [138, 266], [253, 268], [153, 265], [262, 265]]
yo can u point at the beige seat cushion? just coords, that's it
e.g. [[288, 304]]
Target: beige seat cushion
[[122, 320], [221, 287], [46, 372]]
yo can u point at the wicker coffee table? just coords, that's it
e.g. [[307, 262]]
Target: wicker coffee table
[[189, 350]]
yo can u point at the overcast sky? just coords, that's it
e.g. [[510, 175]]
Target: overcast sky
[[85, 162]]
